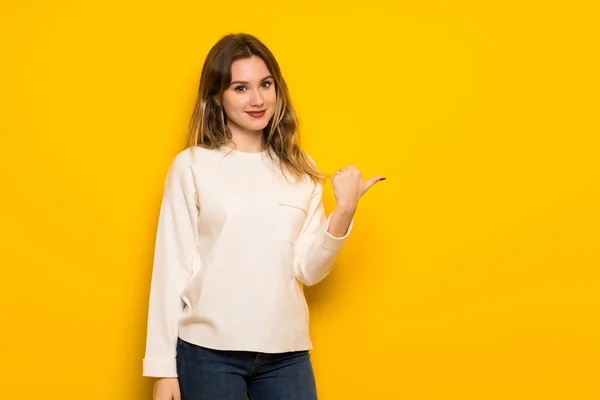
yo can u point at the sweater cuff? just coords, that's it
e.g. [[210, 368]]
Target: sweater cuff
[[160, 367], [331, 242]]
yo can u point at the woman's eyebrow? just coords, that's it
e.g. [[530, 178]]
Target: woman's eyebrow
[[245, 82]]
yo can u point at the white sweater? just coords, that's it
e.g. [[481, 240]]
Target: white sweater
[[235, 243]]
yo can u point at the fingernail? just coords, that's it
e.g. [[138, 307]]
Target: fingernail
[[383, 179]]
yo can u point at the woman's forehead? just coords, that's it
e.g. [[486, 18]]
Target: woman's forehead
[[249, 69]]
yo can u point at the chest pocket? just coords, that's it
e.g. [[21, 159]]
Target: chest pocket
[[292, 207]]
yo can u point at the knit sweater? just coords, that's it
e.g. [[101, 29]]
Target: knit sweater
[[235, 244]]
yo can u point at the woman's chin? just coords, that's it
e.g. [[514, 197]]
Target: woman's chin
[[258, 125]]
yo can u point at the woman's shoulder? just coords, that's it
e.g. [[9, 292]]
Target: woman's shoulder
[[190, 160], [195, 154], [315, 184], [303, 183]]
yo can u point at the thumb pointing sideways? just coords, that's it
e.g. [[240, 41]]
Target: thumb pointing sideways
[[369, 183]]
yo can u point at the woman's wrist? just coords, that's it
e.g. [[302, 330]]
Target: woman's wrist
[[347, 209]]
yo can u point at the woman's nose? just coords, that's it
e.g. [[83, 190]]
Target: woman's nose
[[256, 99]]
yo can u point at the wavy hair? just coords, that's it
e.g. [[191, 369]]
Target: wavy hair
[[208, 124]]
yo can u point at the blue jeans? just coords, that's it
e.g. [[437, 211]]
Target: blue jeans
[[207, 374]]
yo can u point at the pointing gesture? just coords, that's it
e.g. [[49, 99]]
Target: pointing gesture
[[349, 187]]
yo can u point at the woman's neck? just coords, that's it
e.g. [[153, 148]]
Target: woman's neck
[[248, 141]]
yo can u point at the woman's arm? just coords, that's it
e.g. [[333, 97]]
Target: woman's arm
[[341, 218], [321, 239], [175, 252], [316, 247]]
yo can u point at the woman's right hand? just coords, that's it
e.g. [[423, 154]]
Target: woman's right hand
[[166, 389]]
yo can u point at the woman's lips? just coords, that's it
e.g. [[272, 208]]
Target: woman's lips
[[256, 114]]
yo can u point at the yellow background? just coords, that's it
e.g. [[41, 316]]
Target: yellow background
[[472, 272]]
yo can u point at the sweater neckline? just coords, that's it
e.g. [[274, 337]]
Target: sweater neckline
[[228, 149]]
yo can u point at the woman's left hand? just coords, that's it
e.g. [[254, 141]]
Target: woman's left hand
[[349, 187]]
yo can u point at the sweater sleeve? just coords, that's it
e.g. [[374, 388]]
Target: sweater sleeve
[[175, 252], [316, 249]]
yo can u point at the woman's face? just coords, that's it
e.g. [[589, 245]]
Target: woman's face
[[249, 101]]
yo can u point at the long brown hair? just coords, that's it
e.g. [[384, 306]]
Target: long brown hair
[[208, 128]]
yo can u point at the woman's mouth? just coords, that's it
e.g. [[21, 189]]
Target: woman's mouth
[[256, 114]]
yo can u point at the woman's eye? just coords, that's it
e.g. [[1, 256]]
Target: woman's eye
[[241, 88]]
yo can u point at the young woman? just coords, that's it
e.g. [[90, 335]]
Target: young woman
[[242, 227]]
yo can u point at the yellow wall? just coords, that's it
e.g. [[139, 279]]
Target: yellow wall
[[472, 272]]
